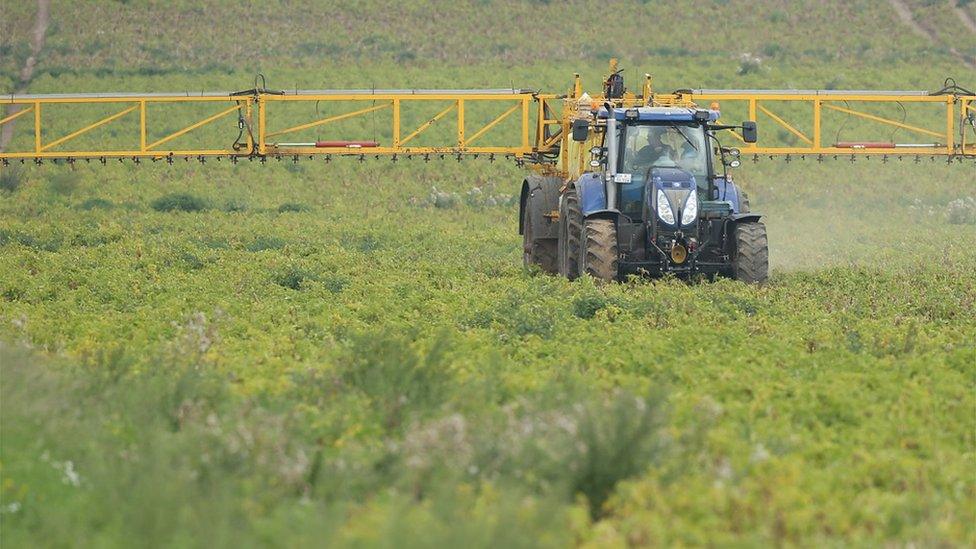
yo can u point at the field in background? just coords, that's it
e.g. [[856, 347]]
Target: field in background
[[217, 44], [294, 353]]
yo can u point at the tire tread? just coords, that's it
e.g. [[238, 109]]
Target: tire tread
[[751, 261], [600, 255], [573, 225]]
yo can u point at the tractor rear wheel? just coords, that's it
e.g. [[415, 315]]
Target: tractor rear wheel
[[537, 251], [750, 258], [570, 227], [598, 254]]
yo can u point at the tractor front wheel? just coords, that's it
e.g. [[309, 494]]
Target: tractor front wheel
[[750, 258], [598, 249]]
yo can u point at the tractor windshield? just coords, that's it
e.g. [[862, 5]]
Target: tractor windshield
[[672, 145]]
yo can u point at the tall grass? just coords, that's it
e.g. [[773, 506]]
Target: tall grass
[[103, 453]]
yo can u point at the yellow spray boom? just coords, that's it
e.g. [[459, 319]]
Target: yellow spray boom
[[525, 125]]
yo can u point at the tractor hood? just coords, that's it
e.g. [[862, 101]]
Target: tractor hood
[[677, 188]]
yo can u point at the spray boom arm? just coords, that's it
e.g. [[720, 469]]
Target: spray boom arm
[[521, 124]]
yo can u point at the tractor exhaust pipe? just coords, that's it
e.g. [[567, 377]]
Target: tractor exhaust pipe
[[611, 140]]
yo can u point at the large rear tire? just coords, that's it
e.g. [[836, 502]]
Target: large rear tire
[[750, 258], [537, 251], [570, 227], [599, 255]]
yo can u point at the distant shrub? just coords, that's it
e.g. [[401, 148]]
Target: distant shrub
[[516, 316], [96, 204], [587, 306], [63, 183], [365, 244], [191, 261], [51, 244], [293, 278], [11, 179], [749, 64], [214, 243], [93, 239], [772, 49], [443, 200], [234, 205], [262, 243], [833, 84], [335, 283], [293, 207], [405, 56], [182, 202], [962, 211]]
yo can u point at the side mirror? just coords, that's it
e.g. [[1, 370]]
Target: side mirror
[[581, 130], [749, 132]]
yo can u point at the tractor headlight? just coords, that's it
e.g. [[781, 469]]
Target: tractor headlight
[[690, 212], [664, 210]]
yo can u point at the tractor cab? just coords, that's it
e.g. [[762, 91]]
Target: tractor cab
[[660, 141], [645, 149]]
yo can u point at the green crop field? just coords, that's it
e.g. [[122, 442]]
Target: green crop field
[[351, 354]]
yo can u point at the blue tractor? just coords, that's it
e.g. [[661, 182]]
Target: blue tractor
[[652, 197]]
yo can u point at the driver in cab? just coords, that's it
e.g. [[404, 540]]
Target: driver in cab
[[665, 146], [655, 149]]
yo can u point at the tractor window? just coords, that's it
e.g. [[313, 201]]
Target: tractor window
[[673, 145]]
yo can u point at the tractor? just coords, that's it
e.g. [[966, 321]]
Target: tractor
[[649, 193]]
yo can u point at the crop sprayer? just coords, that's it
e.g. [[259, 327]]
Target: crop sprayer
[[621, 183]]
